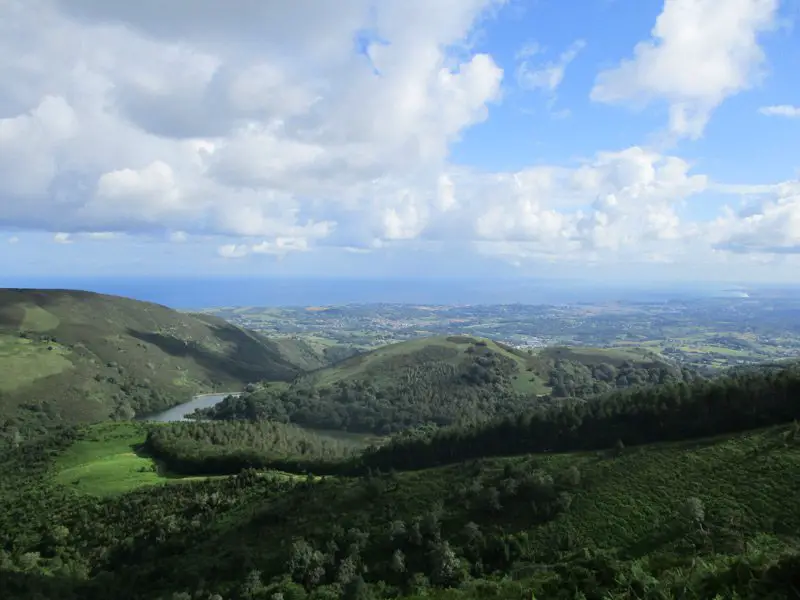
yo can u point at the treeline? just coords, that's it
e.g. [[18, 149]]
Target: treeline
[[672, 412], [228, 447], [570, 378]]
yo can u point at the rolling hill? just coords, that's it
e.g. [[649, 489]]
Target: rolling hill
[[699, 503], [70, 356], [442, 380], [390, 365]]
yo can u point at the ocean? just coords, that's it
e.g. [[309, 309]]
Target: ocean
[[195, 293]]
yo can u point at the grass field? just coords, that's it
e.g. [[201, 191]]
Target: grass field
[[105, 462], [39, 320], [25, 361], [613, 356]]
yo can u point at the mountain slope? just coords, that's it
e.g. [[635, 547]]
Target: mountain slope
[[389, 365], [688, 520], [440, 380], [70, 356]]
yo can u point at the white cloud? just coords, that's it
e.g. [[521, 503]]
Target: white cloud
[[547, 76], [13, 240], [781, 110], [701, 52], [261, 132], [259, 122], [233, 251], [769, 225]]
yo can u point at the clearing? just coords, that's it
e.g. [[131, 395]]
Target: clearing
[[25, 361], [105, 462]]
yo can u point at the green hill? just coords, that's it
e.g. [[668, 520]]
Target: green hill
[[390, 365], [69, 356], [443, 381], [541, 505], [688, 520], [440, 380]]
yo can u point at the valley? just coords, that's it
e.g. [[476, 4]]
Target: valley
[[712, 332], [446, 465]]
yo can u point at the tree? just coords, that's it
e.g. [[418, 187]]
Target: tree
[[694, 509], [398, 562], [252, 585], [357, 589], [445, 565]]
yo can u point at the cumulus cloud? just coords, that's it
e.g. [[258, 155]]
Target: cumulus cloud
[[280, 127], [768, 225], [618, 201], [700, 53], [250, 122], [781, 110]]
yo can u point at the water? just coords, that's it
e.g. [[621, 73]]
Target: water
[[178, 413], [196, 293]]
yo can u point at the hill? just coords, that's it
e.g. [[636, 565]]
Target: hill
[[443, 380], [70, 356], [690, 520], [390, 365]]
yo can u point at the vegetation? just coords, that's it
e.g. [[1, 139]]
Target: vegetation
[[443, 381], [71, 357], [227, 447], [107, 460], [691, 520], [709, 333], [568, 473], [631, 417]]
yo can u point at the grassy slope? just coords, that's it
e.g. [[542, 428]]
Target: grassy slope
[[106, 463], [103, 344], [638, 356], [381, 365]]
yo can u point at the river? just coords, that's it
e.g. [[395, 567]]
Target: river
[[178, 413]]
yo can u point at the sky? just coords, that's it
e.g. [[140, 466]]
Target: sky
[[625, 140]]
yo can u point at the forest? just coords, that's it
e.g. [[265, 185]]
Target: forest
[[437, 392], [611, 422]]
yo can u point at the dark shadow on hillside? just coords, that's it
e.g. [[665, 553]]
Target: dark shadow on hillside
[[655, 540], [249, 360], [33, 585]]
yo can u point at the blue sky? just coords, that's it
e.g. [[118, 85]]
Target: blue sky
[[632, 140]]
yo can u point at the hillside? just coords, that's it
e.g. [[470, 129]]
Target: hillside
[[443, 380], [69, 356], [689, 520], [690, 506]]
